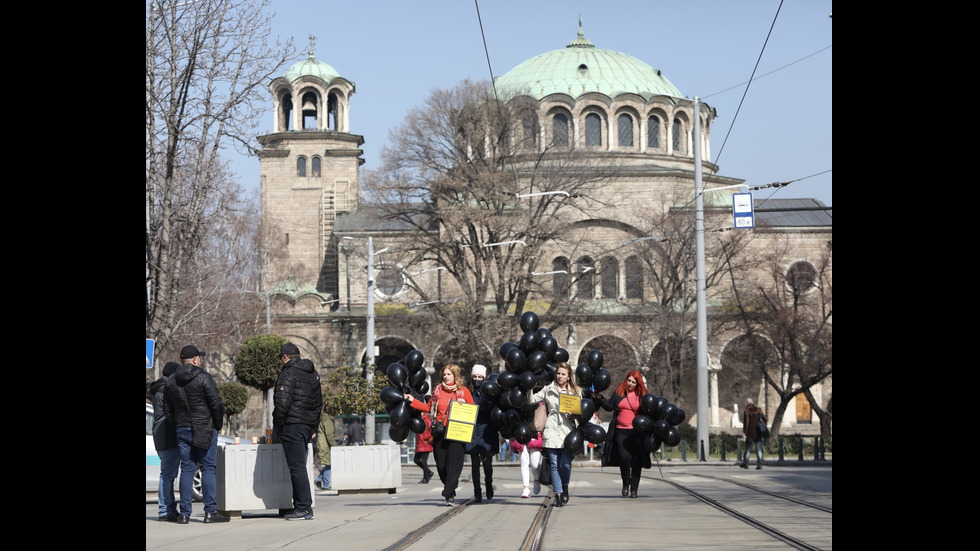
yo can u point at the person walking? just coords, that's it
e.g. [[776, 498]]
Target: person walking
[[165, 442], [750, 427], [326, 433], [298, 403], [624, 446], [355, 432], [484, 445], [448, 453], [423, 445], [192, 400], [530, 456], [558, 426]]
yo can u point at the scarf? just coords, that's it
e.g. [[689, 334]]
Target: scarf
[[448, 388]]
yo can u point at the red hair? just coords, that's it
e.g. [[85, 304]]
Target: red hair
[[641, 389]]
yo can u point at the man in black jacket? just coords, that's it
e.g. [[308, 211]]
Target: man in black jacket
[[165, 442], [192, 400], [298, 402]]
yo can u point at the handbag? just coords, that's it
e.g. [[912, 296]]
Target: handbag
[[544, 470], [438, 430], [763, 430], [540, 417], [202, 437]]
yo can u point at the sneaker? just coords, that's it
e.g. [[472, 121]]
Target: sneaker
[[297, 514], [537, 487], [215, 517], [450, 502], [759, 468], [526, 492]]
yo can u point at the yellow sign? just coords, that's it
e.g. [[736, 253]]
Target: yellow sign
[[570, 403], [457, 430], [461, 411]]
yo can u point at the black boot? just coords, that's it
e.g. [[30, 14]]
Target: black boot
[[564, 493], [489, 489], [477, 494]]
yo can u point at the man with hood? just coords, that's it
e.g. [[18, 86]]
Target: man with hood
[[298, 401], [192, 400], [165, 442]]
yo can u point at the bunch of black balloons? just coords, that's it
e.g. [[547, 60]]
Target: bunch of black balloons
[[658, 424], [405, 378]]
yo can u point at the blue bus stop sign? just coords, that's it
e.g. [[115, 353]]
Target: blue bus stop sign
[[149, 353], [742, 209]]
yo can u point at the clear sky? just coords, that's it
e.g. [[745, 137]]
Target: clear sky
[[777, 128]]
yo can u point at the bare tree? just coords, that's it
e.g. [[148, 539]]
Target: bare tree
[[790, 303], [484, 200], [207, 65]]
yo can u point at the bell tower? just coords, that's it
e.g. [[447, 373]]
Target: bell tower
[[309, 167]]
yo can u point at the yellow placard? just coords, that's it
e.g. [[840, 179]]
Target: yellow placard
[[570, 403], [459, 431], [461, 411]]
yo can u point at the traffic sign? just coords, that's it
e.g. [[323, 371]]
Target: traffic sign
[[742, 210], [150, 345]]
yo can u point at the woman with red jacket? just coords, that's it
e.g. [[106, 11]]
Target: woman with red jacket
[[423, 445], [624, 444], [449, 454]]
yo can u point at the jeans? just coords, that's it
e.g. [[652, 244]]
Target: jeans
[[561, 468], [169, 468], [324, 477], [758, 452], [191, 459], [294, 439], [504, 447]]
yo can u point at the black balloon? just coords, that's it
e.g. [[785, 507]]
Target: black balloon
[[504, 399], [661, 401], [529, 321], [416, 424], [399, 414], [668, 411], [397, 373], [490, 389], [497, 416], [601, 381], [594, 359], [588, 408], [391, 395], [583, 375], [561, 355], [548, 345], [673, 437], [416, 379], [507, 380], [523, 433], [543, 332], [642, 424], [505, 348], [527, 380], [512, 417], [545, 377], [398, 434], [516, 360], [661, 427], [652, 442], [529, 342], [649, 403], [414, 360], [423, 387], [406, 388], [517, 397], [537, 360], [677, 418], [574, 442], [593, 433]]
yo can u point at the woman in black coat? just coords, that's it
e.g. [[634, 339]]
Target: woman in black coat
[[624, 445], [485, 444]]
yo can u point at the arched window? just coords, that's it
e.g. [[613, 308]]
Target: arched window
[[625, 130], [634, 278], [653, 132], [310, 111], [332, 112], [560, 282], [287, 112], [315, 169], [559, 130], [530, 126], [390, 280], [586, 278], [609, 278], [678, 136], [801, 277], [593, 129], [301, 167]]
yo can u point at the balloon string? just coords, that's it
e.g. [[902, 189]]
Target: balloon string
[[657, 457]]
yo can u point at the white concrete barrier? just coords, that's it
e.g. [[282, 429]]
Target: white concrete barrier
[[256, 477], [365, 468]]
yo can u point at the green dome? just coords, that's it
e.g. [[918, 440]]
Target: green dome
[[311, 67], [581, 68]]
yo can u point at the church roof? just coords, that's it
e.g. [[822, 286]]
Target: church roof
[[581, 68], [311, 67]]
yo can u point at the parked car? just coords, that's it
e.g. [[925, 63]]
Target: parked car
[[153, 460]]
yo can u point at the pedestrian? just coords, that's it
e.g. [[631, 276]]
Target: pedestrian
[[504, 448], [750, 426], [326, 433], [192, 400], [484, 444], [624, 445], [298, 401], [530, 455], [448, 453], [355, 433], [558, 426], [165, 442], [423, 445]]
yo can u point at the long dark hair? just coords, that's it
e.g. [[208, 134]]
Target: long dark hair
[[641, 389]]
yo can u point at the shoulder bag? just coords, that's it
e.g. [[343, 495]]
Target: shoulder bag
[[540, 417], [763, 430]]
